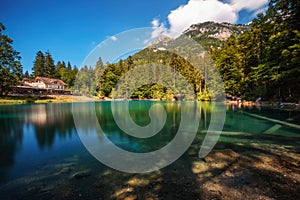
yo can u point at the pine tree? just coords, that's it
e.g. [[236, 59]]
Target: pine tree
[[85, 82], [69, 67], [58, 66], [264, 61], [99, 69], [39, 65], [10, 66], [49, 66], [63, 64], [26, 74]]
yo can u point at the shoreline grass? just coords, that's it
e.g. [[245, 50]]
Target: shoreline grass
[[32, 99]]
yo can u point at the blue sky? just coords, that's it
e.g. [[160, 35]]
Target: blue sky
[[71, 29]]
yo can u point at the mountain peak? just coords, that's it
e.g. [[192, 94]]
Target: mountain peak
[[161, 39], [213, 35], [210, 29], [208, 34]]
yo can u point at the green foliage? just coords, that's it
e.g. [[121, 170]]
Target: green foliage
[[85, 82], [260, 60], [44, 66], [39, 65], [49, 66], [204, 95], [66, 74], [154, 58], [264, 61], [26, 74], [229, 61], [99, 69], [10, 66]]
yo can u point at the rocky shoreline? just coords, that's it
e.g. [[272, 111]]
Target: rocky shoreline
[[275, 105]]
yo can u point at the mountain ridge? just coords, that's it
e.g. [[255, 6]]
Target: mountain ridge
[[215, 30], [209, 34]]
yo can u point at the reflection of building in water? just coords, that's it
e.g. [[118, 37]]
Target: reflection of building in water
[[45, 114], [50, 121], [37, 115]]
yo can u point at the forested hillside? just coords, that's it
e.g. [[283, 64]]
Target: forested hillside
[[257, 60], [210, 36], [260, 59], [265, 61]]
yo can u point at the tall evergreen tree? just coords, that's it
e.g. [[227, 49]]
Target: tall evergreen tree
[[10, 65], [39, 64], [85, 82], [57, 70], [49, 66], [63, 64], [265, 60], [99, 69], [26, 74], [69, 67]]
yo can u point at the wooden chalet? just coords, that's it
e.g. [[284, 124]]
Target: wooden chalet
[[41, 86]]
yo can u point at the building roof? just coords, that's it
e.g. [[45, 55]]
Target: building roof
[[48, 81]]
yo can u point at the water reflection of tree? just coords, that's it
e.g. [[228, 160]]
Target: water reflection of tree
[[49, 121], [11, 136], [139, 111]]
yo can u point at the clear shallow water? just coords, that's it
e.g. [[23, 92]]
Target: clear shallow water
[[36, 138]]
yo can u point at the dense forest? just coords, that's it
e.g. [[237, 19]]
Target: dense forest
[[44, 66], [257, 60], [262, 61], [265, 61]]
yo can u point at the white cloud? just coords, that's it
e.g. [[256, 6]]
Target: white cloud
[[197, 11], [158, 28], [250, 5], [113, 38], [155, 22], [261, 10]]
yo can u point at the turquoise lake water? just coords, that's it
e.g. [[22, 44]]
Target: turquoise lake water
[[37, 139]]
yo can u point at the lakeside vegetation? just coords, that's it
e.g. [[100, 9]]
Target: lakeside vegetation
[[262, 61], [34, 99]]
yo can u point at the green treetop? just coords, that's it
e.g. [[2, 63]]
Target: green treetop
[[39, 65], [10, 66], [49, 66]]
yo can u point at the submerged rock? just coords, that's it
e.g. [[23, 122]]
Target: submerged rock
[[64, 170], [81, 174]]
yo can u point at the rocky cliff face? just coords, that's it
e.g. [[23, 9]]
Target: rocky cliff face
[[221, 31], [208, 34]]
